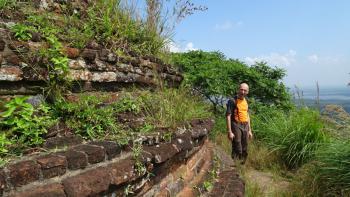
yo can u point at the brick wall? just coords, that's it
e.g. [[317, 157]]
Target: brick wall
[[105, 168], [23, 71]]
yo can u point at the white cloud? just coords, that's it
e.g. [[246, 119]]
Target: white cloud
[[176, 48], [313, 58], [190, 47], [275, 59], [227, 25], [316, 59], [173, 47]]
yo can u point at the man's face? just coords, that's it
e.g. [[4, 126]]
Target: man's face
[[243, 90]]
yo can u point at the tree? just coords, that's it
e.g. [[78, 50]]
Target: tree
[[217, 78]]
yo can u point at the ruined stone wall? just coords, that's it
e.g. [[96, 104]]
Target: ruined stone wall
[[105, 168], [92, 68]]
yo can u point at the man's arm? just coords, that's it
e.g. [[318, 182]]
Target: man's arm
[[250, 134], [229, 110], [229, 129]]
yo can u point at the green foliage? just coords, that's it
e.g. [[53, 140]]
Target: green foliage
[[140, 167], [295, 136], [88, 117], [128, 104], [329, 174], [216, 78], [58, 69], [22, 32], [7, 4], [22, 124]]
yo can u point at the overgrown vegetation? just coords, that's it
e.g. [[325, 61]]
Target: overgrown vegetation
[[94, 116], [22, 125], [168, 108]]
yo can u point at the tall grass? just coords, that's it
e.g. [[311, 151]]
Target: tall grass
[[331, 169], [294, 135], [171, 107]]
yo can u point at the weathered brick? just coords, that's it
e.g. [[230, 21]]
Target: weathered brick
[[89, 183], [2, 181], [55, 142], [71, 53], [75, 159], [10, 73], [95, 154], [112, 149], [51, 190], [161, 152], [24, 172], [122, 171], [52, 165], [2, 44], [183, 142], [89, 55]]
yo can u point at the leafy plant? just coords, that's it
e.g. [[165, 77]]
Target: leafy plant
[[23, 124], [128, 104], [87, 118], [140, 167], [22, 32]]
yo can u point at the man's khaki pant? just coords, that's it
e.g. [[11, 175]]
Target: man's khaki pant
[[240, 141]]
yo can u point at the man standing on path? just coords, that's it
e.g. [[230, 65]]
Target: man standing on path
[[238, 123]]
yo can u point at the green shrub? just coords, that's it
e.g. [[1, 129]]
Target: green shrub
[[294, 135], [23, 125], [88, 117], [22, 32]]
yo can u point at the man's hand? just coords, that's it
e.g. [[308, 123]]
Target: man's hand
[[250, 135], [230, 135]]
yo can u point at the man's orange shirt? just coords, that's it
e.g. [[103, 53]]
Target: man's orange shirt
[[242, 107]]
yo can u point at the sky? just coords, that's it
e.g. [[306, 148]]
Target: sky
[[310, 39]]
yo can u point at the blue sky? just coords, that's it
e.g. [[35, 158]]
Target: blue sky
[[308, 38]]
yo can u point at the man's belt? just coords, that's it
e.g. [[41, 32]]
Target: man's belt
[[241, 123]]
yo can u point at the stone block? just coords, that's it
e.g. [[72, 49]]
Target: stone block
[[112, 149], [2, 181], [75, 159], [103, 54], [2, 45], [56, 142], [52, 165], [51, 190], [24, 172], [10, 73], [89, 55], [161, 152], [103, 76], [95, 154], [80, 75], [122, 171], [19, 47], [183, 142], [36, 37], [71, 53], [89, 183], [76, 64], [200, 127]]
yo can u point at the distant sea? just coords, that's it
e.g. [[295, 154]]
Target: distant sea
[[330, 95]]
